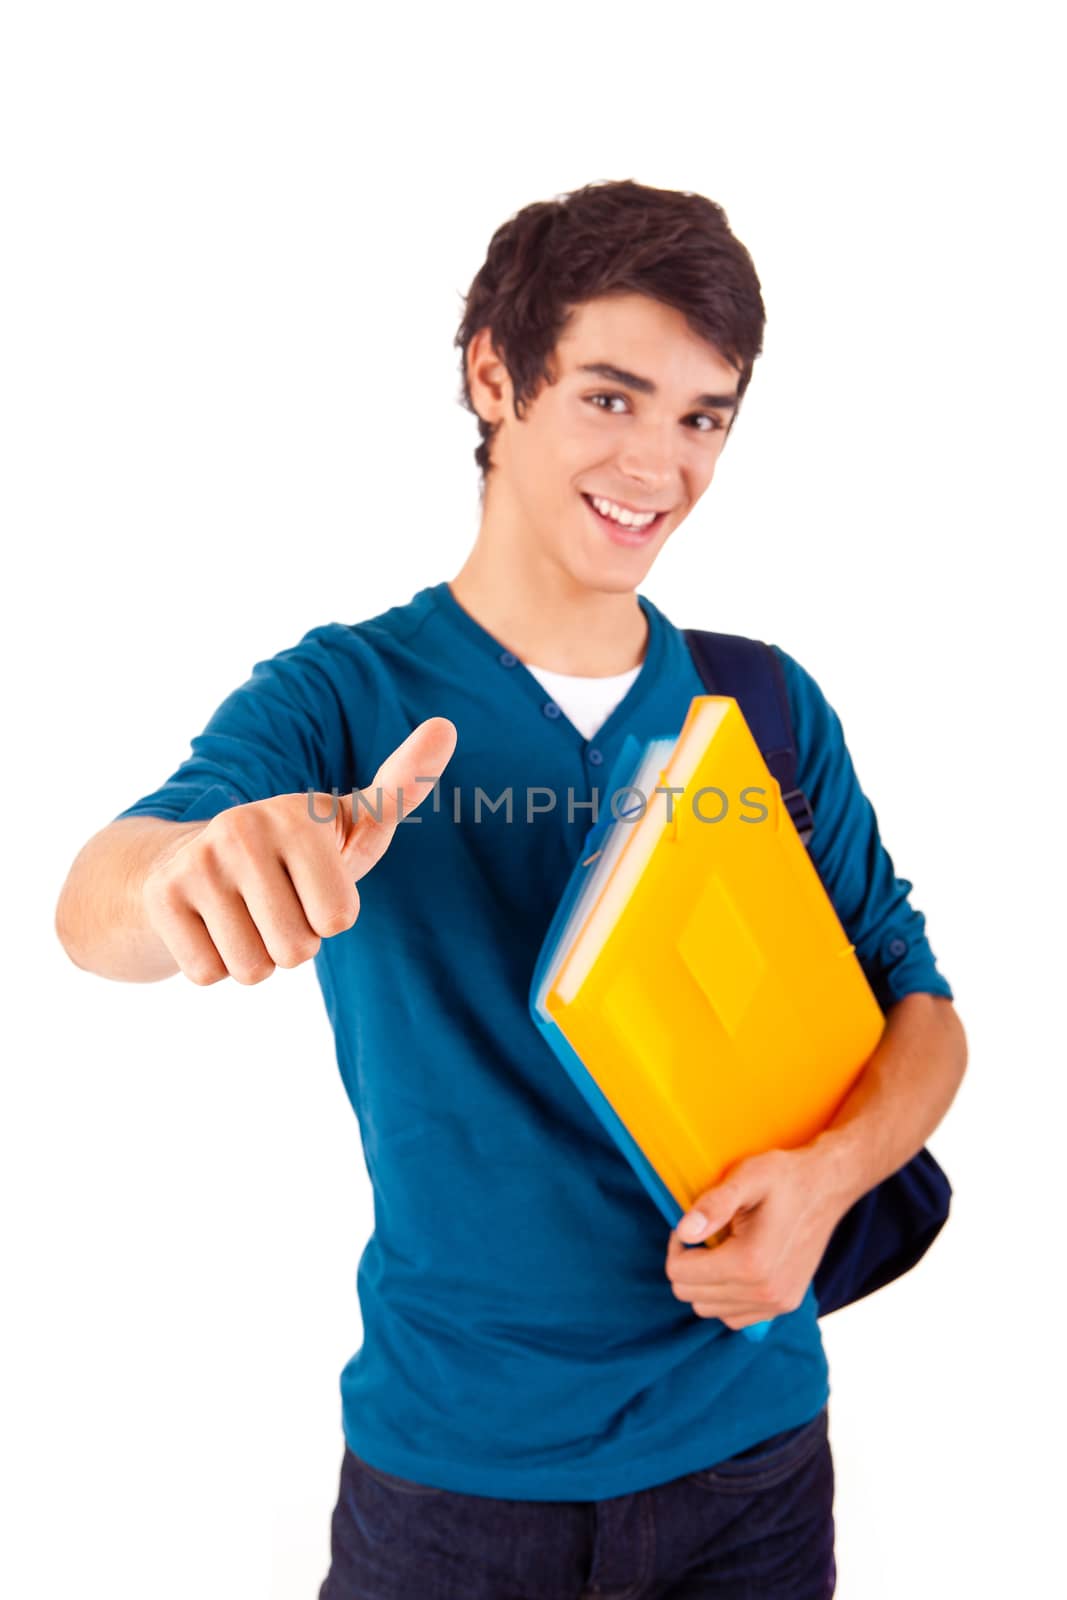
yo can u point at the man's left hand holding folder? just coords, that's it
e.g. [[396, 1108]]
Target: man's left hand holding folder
[[767, 1223]]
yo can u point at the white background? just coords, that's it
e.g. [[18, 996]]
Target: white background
[[237, 243]]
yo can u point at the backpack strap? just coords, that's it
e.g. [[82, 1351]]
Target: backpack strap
[[749, 672]]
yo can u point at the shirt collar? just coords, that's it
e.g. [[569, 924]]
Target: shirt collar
[[496, 653]]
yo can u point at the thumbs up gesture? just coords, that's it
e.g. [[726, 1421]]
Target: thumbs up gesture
[[261, 885]]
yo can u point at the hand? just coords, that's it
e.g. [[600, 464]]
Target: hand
[[260, 886], [767, 1224]]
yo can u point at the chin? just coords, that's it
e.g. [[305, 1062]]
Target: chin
[[611, 577]]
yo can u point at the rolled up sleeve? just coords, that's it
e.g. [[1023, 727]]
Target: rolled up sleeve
[[887, 930], [281, 732]]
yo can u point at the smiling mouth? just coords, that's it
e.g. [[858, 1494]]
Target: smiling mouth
[[625, 533]]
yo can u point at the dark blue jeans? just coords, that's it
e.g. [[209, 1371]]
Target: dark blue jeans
[[758, 1524]]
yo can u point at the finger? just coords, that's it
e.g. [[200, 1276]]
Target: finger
[[323, 886], [408, 774], [712, 1213], [680, 1249], [737, 1317], [706, 1291], [234, 932], [725, 1295], [183, 932], [719, 1305], [703, 1269], [276, 910], [725, 1301], [710, 1301], [402, 782]]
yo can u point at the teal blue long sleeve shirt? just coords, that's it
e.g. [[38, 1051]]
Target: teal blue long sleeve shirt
[[520, 1337]]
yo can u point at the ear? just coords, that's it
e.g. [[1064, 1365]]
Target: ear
[[487, 377]]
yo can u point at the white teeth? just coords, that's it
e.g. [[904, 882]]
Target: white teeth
[[629, 519]]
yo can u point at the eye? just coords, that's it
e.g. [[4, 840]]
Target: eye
[[716, 424], [593, 398]]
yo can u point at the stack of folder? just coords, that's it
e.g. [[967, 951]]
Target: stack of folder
[[696, 981]]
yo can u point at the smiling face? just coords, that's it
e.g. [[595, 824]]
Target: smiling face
[[637, 417]]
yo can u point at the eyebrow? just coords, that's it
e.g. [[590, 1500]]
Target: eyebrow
[[630, 380]]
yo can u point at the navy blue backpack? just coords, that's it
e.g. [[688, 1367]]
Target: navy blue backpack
[[892, 1226]]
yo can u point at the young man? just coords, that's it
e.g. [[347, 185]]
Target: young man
[[551, 1396]]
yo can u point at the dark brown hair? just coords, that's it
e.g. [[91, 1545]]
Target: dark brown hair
[[608, 237]]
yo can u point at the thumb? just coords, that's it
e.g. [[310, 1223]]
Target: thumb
[[711, 1212], [402, 782]]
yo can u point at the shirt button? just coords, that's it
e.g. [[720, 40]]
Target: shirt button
[[897, 947], [551, 709], [595, 758], [507, 659]]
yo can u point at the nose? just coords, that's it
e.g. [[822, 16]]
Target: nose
[[647, 460]]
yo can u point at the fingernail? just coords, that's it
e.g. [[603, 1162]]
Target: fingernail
[[694, 1225]]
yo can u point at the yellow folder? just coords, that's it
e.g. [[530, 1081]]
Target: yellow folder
[[704, 981]]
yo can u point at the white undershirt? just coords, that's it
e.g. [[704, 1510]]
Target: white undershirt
[[587, 702]]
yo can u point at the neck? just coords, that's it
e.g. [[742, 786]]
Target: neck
[[546, 617]]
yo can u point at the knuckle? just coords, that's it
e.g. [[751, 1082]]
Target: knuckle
[[237, 831], [772, 1295], [314, 805], [297, 951], [254, 974], [203, 975], [233, 820], [338, 921], [757, 1269], [159, 892]]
